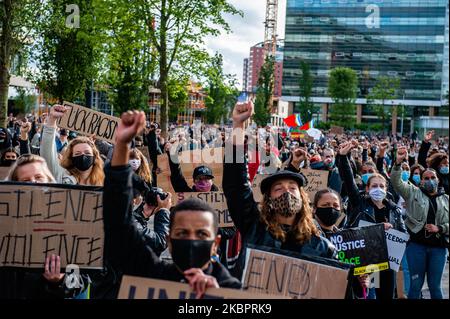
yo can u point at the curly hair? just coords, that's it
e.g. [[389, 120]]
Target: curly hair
[[144, 170], [303, 227], [97, 176]]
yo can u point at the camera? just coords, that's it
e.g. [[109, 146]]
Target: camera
[[151, 196]]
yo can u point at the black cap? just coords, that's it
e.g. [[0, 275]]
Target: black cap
[[202, 171], [268, 181]]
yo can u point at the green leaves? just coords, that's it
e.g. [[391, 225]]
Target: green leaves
[[264, 93], [342, 87]]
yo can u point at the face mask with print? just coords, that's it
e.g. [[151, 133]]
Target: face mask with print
[[135, 164], [203, 185], [286, 205], [377, 194]]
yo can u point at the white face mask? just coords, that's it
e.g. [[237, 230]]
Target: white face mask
[[377, 194], [135, 164]]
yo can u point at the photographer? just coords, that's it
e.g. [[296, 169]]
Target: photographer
[[157, 203]]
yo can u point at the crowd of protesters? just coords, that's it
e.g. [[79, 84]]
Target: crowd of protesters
[[399, 181]]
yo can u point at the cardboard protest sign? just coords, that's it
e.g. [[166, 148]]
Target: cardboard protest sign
[[267, 272], [317, 180], [44, 219], [396, 245], [216, 200], [4, 172], [256, 187], [337, 130], [189, 160], [363, 247], [89, 122], [146, 288]]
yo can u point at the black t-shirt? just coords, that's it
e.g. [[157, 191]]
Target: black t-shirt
[[381, 214]]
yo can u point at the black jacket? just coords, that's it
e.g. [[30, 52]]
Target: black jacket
[[360, 207], [246, 216], [156, 238], [126, 248]]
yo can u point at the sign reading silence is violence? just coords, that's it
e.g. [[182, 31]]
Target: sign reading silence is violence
[[37, 220]]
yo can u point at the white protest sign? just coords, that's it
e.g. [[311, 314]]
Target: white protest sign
[[396, 244]]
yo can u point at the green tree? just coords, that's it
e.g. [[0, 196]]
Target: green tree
[[264, 92], [385, 89], [306, 107], [68, 54], [180, 30], [130, 57], [178, 96], [221, 90], [24, 101], [19, 20], [342, 87]]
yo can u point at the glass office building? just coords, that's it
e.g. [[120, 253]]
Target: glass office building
[[407, 39]]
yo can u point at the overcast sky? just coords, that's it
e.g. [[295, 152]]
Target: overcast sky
[[247, 31]]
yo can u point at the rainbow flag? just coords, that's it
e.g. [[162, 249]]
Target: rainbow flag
[[293, 120]]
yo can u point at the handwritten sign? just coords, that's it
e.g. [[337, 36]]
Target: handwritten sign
[[216, 200], [275, 274], [42, 219], [256, 187], [189, 160], [337, 130], [89, 122], [317, 180], [146, 288]]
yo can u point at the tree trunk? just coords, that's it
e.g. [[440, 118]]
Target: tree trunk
[[4, 87], [163, 71], [5, 59]]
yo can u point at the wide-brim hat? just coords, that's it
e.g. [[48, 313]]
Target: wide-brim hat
[[267, 183]]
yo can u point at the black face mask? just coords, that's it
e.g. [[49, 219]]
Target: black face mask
[[83, 162], [8, 162], [187, 254], [328, 215]]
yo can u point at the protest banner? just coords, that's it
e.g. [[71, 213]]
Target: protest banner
[[43, 219], [189, 160], [267, 272], [396, 245], [216, 200], [88, 122], [256, 187], [364, 247], [145, 288], [4, 172], [337, 130], [317, 180]]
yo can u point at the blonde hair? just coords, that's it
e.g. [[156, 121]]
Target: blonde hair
[[144, 169], [97, 176], [303, 227], [29, 159]]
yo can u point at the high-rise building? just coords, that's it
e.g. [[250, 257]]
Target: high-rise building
[[245, 75], [405, 39], [256, 61]]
